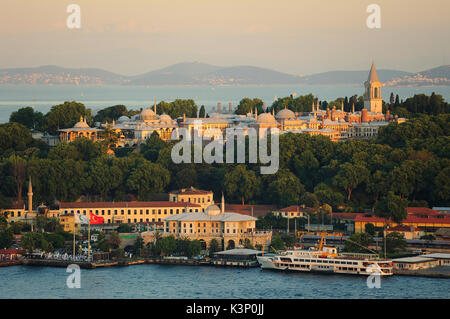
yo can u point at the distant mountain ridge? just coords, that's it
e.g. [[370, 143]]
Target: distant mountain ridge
[[195, 73]]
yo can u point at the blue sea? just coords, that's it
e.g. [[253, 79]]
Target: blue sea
[[202, 282], [41, 98]]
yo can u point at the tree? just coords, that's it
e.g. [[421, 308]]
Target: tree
[[14, 137], [166, 246], [285, 188], [194, 248], [370, 229], [113, 240], [392, 207], [65, 115], [213, 247], [6, 238], [310, 200], [202, 112], [148, 178], [241, 183], [357, 242], [277, 243], [247, 105], [28, 117], [350, 176], [395, 242]]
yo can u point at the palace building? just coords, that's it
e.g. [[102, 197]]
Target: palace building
[[334, 123], [228, 228]]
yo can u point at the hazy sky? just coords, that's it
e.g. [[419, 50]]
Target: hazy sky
[[294, 36]]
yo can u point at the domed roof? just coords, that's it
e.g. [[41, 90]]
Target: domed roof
[[266, 118], [123, 118], [81, 124], [212, 210], [148, 114], [285, 114], [165, 118]]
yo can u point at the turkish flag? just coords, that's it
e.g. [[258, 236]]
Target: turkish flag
[[94, 219]]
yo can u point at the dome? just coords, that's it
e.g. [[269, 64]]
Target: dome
[[266, 118], [285, 114], [165, 118], [147, 115], [81, 124], [212, 210], [123, 118]]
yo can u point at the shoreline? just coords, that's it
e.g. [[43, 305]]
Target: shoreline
[[429, 273]]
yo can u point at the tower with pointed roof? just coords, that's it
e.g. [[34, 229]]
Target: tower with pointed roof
[[372, 96]]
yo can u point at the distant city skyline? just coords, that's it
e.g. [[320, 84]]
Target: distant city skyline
[[296, 37]]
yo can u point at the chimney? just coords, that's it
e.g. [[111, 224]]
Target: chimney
[[223, 204], [328, 113], [230, 107], [364, 117], [388, 115], [219, 107], [30, 196]]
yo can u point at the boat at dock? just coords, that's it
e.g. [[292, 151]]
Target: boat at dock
[[324, 259]]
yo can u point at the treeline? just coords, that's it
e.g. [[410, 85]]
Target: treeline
[[418, 104], [67, 114]]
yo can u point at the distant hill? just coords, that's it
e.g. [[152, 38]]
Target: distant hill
[[195, 73], [51, 74], [439, 72], [202, 74], [352, 77]]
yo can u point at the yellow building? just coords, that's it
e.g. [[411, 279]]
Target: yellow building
[[129, 212], [229, 229], [67, 221], [192, 195]]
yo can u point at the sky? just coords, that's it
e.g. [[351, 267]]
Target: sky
[[293, 36]]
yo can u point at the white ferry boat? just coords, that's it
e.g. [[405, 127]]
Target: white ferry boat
[[327, 260]]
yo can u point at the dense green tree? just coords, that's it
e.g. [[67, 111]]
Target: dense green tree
[[284, 188], [194, 248], [6, 238], [392, 207], [241, 183], [350, 176], [248, 105], [148, 178], [202, 112], [65, 115], [28, 117]]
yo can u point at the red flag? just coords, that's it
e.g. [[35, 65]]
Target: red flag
[[94, 219]]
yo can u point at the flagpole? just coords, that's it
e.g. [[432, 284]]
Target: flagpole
[[74, 228], [89, 238]]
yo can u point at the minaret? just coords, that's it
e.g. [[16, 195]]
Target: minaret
[[154, 106], [223, 204], [30, 196], [372, 96]]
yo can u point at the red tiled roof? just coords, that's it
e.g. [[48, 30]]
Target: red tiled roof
[[297, 208], [421, 211], [258, 210], [191, 191], [346, 215], [125, 204], [409, 219], [11, 251]]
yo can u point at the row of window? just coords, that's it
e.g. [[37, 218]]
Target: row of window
[[135, 211], [328, 261]]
